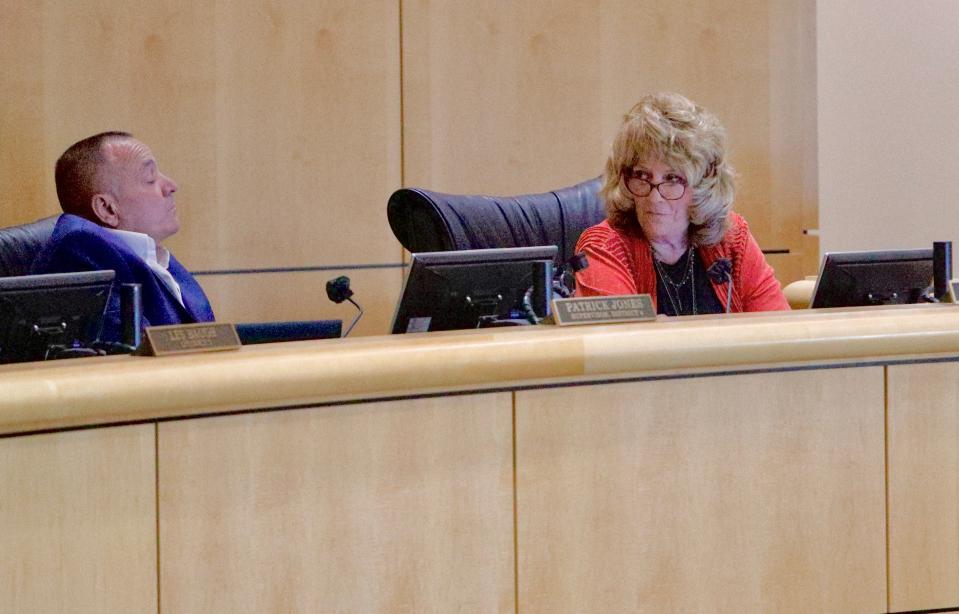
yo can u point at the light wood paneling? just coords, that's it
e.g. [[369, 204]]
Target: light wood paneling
[[393, 507], [283, 123], [26, 171], [751, 493], [793, 200], [501, 97], [923, 486], [280, 122], [302, 296], [94, 66], [504, 97], [307, 129], [78, 518]]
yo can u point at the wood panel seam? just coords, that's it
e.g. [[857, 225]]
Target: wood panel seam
[[402, 105], [885, 454], [315, 268], [156, 502], [515, 516]]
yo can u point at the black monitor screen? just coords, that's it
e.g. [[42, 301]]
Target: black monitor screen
[[59, 310], [455, 290], [884, 277]]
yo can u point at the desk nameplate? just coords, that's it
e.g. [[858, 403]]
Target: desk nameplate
[[603, 309], [189, 339]]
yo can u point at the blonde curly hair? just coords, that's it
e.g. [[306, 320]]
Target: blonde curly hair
[[688, 138]]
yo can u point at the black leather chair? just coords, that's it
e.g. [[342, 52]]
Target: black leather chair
[[426, 221], [19, 245]]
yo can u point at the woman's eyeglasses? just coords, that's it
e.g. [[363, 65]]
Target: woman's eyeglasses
[[672, 188]]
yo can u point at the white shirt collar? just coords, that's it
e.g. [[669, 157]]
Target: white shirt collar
[[143, 246], [156, 256]]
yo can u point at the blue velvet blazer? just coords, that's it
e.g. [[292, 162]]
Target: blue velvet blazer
[[80, 245]]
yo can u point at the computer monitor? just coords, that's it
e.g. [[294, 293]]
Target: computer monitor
[[883, 277], [460, 289], [40, 314]]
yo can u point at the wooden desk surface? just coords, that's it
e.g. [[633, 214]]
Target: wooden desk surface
[[108, 390], [773, 487]]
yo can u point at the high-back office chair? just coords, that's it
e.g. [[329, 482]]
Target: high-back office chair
[[425, 221], [19, 245]]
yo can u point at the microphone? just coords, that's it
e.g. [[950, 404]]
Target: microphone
[[578, 262], [721, 272], [564, 282], [338, 290]]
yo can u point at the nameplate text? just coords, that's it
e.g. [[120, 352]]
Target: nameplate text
[[189, 338], [603, 309]]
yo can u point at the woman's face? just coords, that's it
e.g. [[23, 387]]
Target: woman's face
[[660, 218]]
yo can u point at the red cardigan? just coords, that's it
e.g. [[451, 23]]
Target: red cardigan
[[621, 263]]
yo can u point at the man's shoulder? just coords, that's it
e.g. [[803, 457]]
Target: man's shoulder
[[74, 230], [73, 226], [77, 243]]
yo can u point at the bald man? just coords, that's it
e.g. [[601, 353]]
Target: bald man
[[118, 208]]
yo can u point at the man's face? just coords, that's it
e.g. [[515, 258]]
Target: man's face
[[141, 196]]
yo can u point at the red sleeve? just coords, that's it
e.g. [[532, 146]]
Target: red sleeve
[[609, 272], [759, 289]]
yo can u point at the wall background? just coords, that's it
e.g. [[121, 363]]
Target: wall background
[[288, 124], [888, 114]]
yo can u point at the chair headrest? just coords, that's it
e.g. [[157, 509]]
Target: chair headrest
[[425, 221], [19, 245]]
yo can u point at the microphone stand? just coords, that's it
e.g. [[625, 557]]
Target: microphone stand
[[355, 319]]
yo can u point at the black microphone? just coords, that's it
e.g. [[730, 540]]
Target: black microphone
[[564, 282], [338, 290], [722, 271], [578, 262]]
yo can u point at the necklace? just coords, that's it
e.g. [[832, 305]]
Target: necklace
[[674, 288]]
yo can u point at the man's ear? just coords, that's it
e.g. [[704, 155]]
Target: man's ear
[[104, 207]]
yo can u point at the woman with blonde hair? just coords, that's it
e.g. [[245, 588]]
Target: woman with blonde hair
[[670, 230]]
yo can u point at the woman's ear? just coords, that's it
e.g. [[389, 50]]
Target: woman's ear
[[104, 207]]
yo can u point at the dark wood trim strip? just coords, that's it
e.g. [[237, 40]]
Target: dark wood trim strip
[[303, 269]]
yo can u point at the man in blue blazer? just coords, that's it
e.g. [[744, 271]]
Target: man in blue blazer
[[118, 208]]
